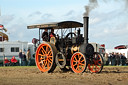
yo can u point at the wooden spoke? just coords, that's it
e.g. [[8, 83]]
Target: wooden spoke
[[75, 64], [43, 51], [81, 64], [50, 53]]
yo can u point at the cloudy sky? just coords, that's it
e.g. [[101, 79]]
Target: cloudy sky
[[108, 22]]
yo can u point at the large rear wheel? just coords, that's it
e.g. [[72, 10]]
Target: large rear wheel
[[96, 63], [45, 57], [78, 62]]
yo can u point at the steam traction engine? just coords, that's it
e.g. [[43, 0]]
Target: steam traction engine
[[67, 51]]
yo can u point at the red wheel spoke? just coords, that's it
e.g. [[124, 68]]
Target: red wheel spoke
[[41, 58], [99, 64], [41, 55], [81, 64], [100, 60], [74, 61], [77, 68], [97, 67], [46, 49], [50, 53], [92, 66], [49, 61], [75, 64], [50, 56], [80, 57], [43, 66], [43, 51], [46, 63], [82, 61], [75, 58], [41, 62]]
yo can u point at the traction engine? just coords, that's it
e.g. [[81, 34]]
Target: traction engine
[[70, 52]]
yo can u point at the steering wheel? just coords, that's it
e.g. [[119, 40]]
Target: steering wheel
[[71, 33], [69, 40]]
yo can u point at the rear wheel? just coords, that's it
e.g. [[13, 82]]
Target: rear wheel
[[45, 57], [78, 62], [96, 63]]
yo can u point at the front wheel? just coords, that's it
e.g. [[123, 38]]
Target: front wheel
[[95, 64], [78, 62]]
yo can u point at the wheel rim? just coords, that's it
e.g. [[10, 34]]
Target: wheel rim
[[44, 57], [78, 62], [96, 65], [60, 60]]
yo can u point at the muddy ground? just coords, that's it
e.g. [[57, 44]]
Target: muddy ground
[[32, 76]]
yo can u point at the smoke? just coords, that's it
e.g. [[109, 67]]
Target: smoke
[[126, 5], [94, 4]]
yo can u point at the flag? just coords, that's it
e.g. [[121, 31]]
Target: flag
[[1, 27]]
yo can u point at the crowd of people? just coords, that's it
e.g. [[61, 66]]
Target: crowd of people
[[115, 59], [24, 59], [12, 62]]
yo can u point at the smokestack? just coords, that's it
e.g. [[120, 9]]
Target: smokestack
[[86, 20]]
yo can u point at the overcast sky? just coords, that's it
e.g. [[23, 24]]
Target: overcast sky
[[108, 22]]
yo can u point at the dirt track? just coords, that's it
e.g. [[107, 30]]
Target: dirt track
[[32, 76]]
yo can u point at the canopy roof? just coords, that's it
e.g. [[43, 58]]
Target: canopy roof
[[57, 25]]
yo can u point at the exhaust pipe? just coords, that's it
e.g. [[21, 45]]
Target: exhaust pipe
[[86, 48], [86, 20]]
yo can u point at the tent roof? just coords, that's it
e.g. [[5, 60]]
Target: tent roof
[[120, 47]]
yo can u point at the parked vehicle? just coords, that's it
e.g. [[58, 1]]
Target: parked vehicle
[[9, 49]]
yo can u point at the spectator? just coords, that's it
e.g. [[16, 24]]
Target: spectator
[[20, 56], [117, 56], [6, 61], [113, 60], [123, 59], [106, 59], [13, 61], [28, 55], [109, 58], [24, 59], [45, 35], [52, 33]]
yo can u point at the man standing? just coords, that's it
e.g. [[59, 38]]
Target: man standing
[[24, 59], [45, 35], [20, 56], [28, 55]]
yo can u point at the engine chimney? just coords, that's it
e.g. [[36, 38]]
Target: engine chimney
[[86, 48], [86, 20]]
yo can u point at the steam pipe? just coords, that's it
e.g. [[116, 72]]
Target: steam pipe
[[86, 20]]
